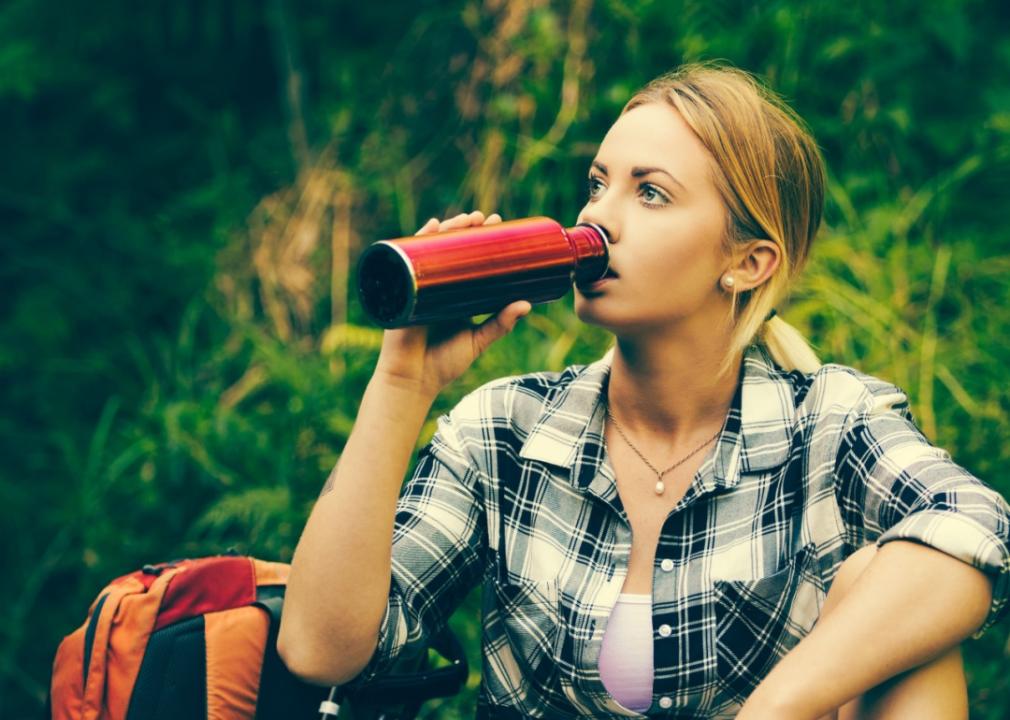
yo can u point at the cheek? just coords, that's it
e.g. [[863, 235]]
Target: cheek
[[691, 251]]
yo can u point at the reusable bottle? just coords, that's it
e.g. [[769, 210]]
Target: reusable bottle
[[422, 279]]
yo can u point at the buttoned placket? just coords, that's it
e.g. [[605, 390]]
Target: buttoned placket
[[604, 486], [700, 487], [560, 439]]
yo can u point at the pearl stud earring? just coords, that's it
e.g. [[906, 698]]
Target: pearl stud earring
[[728, 280]]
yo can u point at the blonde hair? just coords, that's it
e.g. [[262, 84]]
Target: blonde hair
[[771, 177]]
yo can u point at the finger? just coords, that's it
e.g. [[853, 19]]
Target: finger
[[466, 220], [428, 227], [493, 219], [454, 222]]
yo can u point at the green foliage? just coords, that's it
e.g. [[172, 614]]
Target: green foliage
[[186, 186]]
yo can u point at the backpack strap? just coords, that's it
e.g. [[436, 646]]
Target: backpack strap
[[427, 684], [79, 665], [403, 688], [130, 607]]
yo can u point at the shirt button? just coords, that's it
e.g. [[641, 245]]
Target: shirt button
[[665, 702], [665, 630], [667, 565]]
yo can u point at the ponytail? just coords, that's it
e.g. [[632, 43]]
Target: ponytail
[[788, 348]]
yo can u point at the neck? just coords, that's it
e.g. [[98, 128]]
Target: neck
[[668, 386]]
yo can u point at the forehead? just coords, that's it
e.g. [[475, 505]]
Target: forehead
[[654, 134]]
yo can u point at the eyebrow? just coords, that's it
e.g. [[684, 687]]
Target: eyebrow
[[637, 172]]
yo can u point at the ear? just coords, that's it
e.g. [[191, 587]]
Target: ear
[[754, 263]]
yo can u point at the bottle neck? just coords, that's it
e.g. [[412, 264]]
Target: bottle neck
[[592, 251]]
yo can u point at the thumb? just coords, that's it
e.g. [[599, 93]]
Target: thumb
[[500, 325]]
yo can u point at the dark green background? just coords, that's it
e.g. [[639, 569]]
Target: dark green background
[[183, 185]]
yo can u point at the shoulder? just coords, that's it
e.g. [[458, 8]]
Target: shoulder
[[832, 392], [517, 400], [490, 425], [845, 389]]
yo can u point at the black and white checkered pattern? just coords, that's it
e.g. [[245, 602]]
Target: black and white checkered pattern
[[516, 492]]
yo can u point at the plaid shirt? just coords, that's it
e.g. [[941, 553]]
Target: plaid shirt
[[515, 491]]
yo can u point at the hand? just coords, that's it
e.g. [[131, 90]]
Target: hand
[[427, 359]]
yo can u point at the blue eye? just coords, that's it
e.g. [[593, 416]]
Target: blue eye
[[652, 196]]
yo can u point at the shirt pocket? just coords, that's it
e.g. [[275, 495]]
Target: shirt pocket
[[528, 612], [758, 621]]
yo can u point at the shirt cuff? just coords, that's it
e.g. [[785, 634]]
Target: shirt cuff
[[966, 539]]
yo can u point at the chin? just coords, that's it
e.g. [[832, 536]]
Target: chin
[[597, 311], [587, 310]]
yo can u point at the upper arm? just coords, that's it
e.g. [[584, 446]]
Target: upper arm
[[438, 549], [893, 484], [886, 468]]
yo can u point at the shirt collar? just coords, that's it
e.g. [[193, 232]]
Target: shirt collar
[[755, 437]]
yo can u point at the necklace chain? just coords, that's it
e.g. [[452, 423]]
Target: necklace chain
[[659, 474]]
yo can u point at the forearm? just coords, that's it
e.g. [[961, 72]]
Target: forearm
[[911, 604], [340, 572]]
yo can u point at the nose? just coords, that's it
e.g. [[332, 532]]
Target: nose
[[591, 215]]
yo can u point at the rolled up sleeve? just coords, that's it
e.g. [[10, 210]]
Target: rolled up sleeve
[[898, 486], [439, 540]]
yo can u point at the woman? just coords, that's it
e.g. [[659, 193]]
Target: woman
[[658, 532]]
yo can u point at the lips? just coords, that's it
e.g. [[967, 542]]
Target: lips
[[594, 286]]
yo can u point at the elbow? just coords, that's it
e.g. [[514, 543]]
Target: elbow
[[325, 664]]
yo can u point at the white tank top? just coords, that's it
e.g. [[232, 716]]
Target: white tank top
[[626, 655]]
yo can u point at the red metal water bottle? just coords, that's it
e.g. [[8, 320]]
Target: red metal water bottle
[[458, 273]]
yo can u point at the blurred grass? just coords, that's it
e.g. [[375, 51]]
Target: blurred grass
[[187, 185]]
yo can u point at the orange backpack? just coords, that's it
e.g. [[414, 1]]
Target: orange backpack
[[196, 639]]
